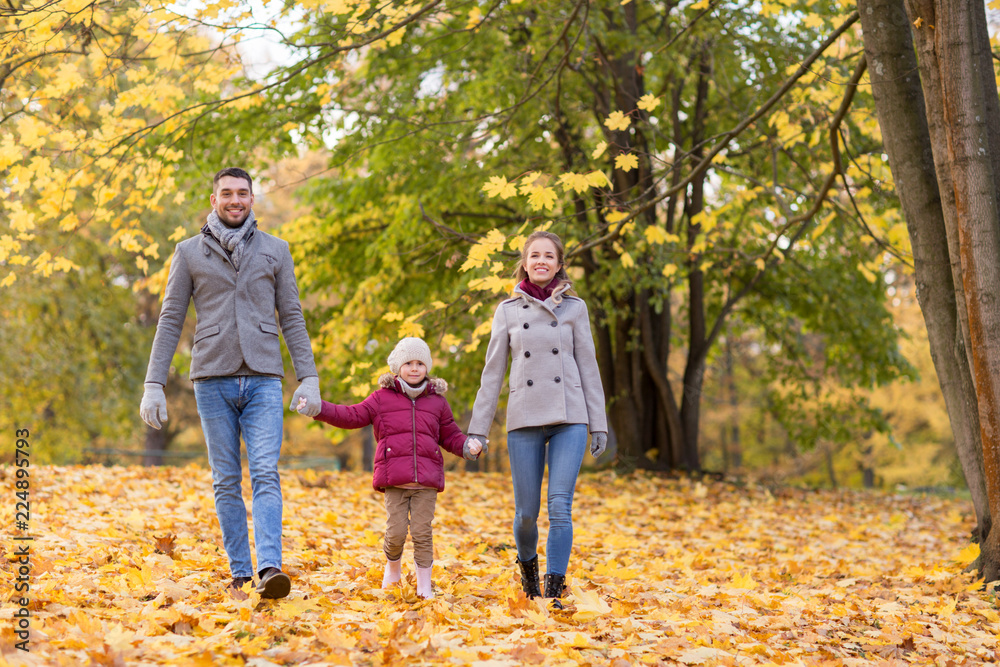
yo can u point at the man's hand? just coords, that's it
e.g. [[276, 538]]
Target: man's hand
[[598, 443], [309, 390], [153, 408]]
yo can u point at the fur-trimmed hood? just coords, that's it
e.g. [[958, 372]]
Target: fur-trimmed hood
[[388, 381]]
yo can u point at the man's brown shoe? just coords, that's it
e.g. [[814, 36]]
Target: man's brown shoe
[[274, 583]]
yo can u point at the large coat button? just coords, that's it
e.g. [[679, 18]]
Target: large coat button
[[555, 350], [524, 306], [525, 325], [530, 382], [527, 354], [558, 379], [553, 324]]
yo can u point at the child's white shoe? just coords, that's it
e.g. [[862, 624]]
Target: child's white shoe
[[393, 572], [424, 587]]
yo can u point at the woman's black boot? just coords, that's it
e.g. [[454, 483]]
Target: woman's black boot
[[529, 577], [555, 584]]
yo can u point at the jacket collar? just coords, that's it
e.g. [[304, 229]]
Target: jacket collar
[[434, 385], [549, 303], [209, 242]]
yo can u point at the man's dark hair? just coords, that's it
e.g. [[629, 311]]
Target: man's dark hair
[[235, 172]]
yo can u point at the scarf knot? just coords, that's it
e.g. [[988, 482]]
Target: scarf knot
[[233, 239], [540, 293]]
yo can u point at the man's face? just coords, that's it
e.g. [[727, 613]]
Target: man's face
[[232, 200]]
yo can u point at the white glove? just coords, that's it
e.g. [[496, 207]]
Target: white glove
[[153, 408], [308, 390]]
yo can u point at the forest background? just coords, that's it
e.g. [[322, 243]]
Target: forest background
[[716, 170]]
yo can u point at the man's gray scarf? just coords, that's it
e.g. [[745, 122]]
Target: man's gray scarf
[[233, 239]]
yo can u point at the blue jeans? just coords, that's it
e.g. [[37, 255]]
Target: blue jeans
[[526, 448], [251, 406]]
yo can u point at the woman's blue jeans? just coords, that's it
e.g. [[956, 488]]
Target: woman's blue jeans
[[251, 406], [565, 445]]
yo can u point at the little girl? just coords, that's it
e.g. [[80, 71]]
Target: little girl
[[412, 422]]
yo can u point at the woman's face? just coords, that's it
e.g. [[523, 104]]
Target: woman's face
[[542, 262]]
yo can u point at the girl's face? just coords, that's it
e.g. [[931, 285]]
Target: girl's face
[[413, 372], [541, 262]]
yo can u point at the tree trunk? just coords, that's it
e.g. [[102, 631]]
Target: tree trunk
[[734, 452], [367, 449], [933, 95], [694, 370], [969, 147], [155, 443], [899, 101]]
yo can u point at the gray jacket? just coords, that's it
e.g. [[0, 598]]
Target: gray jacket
[[554, 377], [235, 310]]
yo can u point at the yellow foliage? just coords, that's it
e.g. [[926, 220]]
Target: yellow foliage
[[655, 235], [744, 581], [967, 555], [626, 161], [614, 216], [598, 179], [480, 252], [409, 328], [648, 102], [540, 198], [494, 284], [499, 187], [475, 18], [617, 121], [578, 183], [150, 543]]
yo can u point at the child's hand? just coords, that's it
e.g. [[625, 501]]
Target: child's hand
[[474, 446], [302, 404]]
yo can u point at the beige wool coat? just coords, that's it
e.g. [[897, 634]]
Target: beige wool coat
[[554, 378], [235, 310]]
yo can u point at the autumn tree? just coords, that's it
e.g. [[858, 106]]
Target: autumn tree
[[94, 179], [685, 151], [940, 116]]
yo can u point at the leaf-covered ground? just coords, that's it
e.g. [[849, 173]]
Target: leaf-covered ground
[[128, 569]]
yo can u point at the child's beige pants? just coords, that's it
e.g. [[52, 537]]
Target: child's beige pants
[[413, 510]]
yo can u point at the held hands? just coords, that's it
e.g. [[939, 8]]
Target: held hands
[[306, 400], [474, 447], [153, 408], [598, 443]]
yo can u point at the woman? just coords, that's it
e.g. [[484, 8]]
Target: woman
[[555, 396]]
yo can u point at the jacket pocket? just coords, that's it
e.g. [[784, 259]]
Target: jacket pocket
[[206, 332], [268, 327]]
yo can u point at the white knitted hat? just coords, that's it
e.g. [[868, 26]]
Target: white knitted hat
[[409, 349]]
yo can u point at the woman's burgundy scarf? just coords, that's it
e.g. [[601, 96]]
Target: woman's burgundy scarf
[[540, 293]]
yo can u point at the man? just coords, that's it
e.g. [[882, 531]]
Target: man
[[239, 277]]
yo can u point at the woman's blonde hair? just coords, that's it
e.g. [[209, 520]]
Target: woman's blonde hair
[[522, 274]]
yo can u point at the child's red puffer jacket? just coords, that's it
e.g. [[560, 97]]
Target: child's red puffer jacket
[[410, 432]]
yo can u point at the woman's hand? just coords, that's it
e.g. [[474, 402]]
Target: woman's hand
[[598, 443], [474, 447]]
